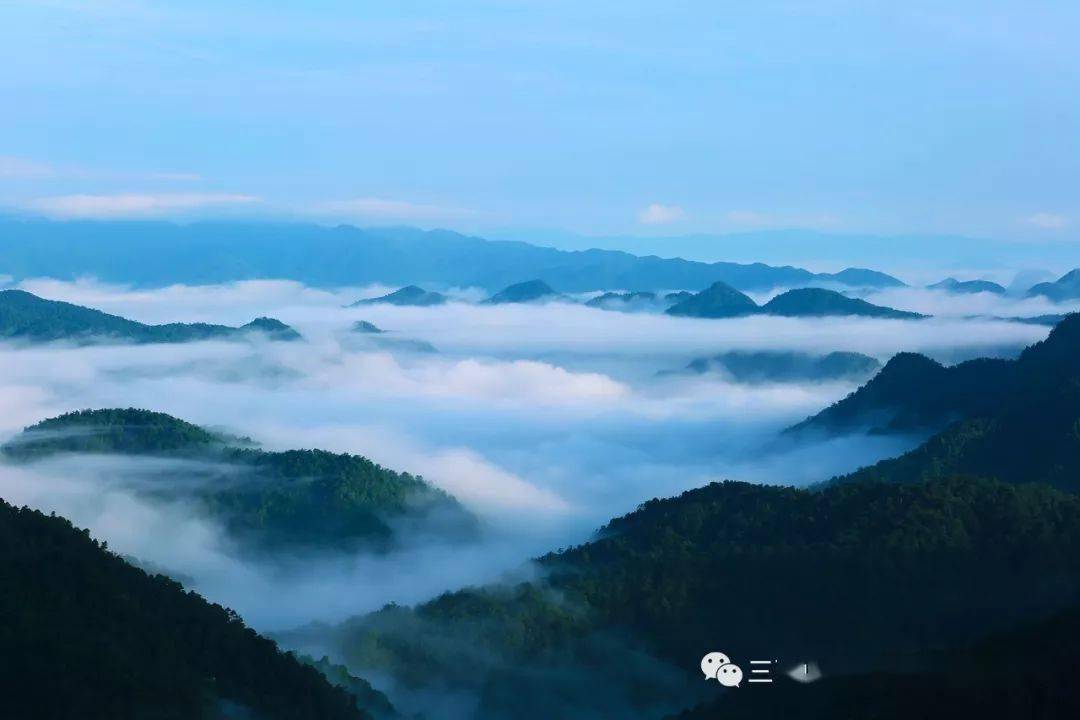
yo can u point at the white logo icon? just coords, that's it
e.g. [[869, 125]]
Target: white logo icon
[[712, 662], [718, 666]]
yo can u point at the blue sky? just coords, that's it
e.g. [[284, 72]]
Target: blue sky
[[592, 117]]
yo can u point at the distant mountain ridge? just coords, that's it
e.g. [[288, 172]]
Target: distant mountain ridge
[[25, 316], [1066, 287], [409, 295], [786, 366], [523, 292], [158, 253], [720, 300], [968, 286], [818, 302]]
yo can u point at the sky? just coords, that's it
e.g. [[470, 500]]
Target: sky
[[601, 118]]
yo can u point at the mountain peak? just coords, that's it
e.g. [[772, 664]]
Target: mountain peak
[[719, 300], [814, 302], [528, 291], [272, 327], [1066, 287], [408, 295], [120, 430], [1060, 349], [951, 284]]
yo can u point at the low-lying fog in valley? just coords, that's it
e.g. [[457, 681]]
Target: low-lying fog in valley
[[545, 420]]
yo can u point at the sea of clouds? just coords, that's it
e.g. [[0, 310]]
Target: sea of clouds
[[545, 420]]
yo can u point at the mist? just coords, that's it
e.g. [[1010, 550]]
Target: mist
[[544, 420]]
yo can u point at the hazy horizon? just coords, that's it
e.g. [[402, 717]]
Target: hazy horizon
[[605, 119]]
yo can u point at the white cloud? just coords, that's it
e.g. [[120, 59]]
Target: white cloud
[[657, 214], [134, 205], [547, 420], [1046, 221], [382, 208]]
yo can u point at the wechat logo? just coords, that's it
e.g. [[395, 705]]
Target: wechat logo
[[718, 666]]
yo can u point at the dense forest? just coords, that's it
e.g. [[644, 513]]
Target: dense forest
[[855, 577], [1028, 431], [269, 500], [84, 635], [914, 394], [27, 317]]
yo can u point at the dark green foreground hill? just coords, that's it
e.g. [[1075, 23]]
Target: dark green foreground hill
[[27, 317], [85, 636], [295, 499], [1025, 428], [1017, 421], [915, 394], [862, 577]]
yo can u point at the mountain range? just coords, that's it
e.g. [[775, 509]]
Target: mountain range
[[720, 300], [877, 577], [25, 316], [158, 253]]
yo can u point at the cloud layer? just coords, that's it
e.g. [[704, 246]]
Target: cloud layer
[[546, 420], [135, 205]]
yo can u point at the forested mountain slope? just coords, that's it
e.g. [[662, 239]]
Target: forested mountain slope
[[269, 500], [913, 393], [857, 577], [84, 635]]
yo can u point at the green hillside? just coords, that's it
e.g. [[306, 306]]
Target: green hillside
[[85, 636], [915, 394], [295, 498], [856, 577]]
